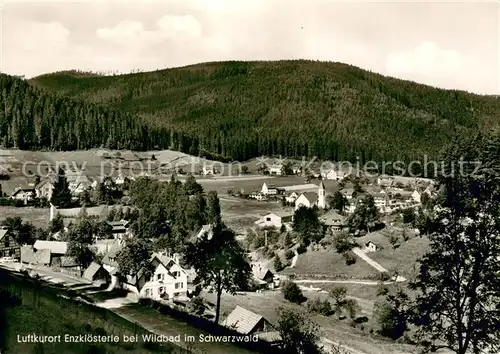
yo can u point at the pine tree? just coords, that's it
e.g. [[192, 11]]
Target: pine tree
[[61, 195]]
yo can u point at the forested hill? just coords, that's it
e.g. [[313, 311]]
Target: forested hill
[[31, 118], [293, 108]]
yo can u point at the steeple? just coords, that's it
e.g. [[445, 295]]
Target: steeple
[[321, 196]]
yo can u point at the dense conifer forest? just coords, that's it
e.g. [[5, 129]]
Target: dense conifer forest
[[239, 110]]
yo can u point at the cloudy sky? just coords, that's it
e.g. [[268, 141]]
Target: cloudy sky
[[445, 44]]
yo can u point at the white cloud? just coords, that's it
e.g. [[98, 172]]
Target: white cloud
[[169, 27], [426, 59], [42, 37]]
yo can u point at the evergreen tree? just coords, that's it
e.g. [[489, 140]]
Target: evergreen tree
[[61, 195]]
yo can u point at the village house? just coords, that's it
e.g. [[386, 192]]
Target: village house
[[23, 194], [268, 189], [97, 274], [334, 175], [276, 169], [204, 230], [416, 196], [310, 199], [77, 182], [297, 169], [208, 170], [291, 198], [386, 182], [58, 249], [348, 193], [8, 245], [29, 256], [257, 195], [45, 188], [120, 179], [382, 201], [370, 246], [246, 322], [106, 181], [275, 219], [263, 277], [166, 281], [333, 220], [120, 229]]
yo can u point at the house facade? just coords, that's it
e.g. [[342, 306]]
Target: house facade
[[333, 220], [275, 219], [269, 189], [167, 281], [291, 198], [276, 169], [8, 245], [24, 194], [310, 199], [416, 196], [44, 189]]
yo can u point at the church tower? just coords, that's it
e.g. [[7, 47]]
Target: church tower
[[321, 196]]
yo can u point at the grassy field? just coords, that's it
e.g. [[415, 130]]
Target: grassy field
[[268, 303], [160, 323], [404, 258], [38, 216], [42, 312], [330, 264]]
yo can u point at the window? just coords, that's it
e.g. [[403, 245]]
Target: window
[[7, 243], [161, 290], [268, 219], [177, 274], [147, 292], [160, 276], [179, 285]]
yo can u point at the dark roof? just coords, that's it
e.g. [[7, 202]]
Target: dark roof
[[332, 218], [312, 197], [262, 274], [91, 271]]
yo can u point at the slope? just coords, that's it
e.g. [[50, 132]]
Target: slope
[[294, 108]]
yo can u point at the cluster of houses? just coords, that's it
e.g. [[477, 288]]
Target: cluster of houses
[[387, 199], [78, 183]]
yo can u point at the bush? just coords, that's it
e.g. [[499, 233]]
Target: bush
[[384, 276], [301, 249], [196, 306], [352, 307], [292, 292], [278, 265], [349, 257], [339, 294], [344, 242], [321, 307], [289, 254]]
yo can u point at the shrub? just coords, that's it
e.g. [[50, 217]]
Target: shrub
[[338, 293], [344, 242], [352, 307], [289, 254], [384, 276], [301, 249], [349, 257], [316, 305], [292, 292], [278, 265], [196, 306]]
